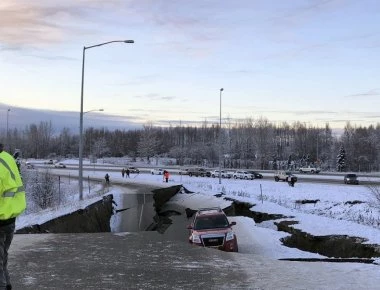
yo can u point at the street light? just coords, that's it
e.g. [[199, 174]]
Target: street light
[[80, 178], [95, 110], [8, 145], [7, 122], [220, 137]]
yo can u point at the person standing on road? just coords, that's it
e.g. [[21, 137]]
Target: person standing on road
[[12, 204], [107, 178], [127, 172], [122, 172], [166, 175], [290, 180]]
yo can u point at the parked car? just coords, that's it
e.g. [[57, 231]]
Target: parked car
[[59, 165], [284, 175], [256, 174], [29, 165], [230, 174], [51, 161], [224, 174], [157, 171], [309, 169], [184, 172], [351, 178], [199, 172], [211, 228], [133, 170], [239, 174]]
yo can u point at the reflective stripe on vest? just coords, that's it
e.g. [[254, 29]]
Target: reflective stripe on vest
[[11, 193], [19, 189], [7, 167]]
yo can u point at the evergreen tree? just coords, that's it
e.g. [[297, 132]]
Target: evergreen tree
[[341, 159]]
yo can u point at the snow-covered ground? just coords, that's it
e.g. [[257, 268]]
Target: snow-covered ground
[[333, 214]]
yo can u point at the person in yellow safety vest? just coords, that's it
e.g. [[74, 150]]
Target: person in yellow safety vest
[[12, 204]]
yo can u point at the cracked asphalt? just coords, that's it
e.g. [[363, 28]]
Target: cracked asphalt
[[150, 260]]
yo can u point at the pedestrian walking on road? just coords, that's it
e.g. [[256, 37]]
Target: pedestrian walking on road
[[122, 172], [166, 175], [107, 178], [127, 172], [290, 181], [12, 204]]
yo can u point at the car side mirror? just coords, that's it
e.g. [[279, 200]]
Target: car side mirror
[[233, 224], [189, 227]]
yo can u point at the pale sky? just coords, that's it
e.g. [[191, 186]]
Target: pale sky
[[313, 61]]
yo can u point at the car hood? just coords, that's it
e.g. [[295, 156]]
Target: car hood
[[219, 231]]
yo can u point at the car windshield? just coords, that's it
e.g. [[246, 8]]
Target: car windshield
[[211, 222], [351, 175]]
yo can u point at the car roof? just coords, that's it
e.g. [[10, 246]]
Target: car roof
[[210, 211]]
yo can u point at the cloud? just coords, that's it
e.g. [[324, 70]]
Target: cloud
[[155, 97], [24, 23], [314, 6], [20, 118], [370, 93], [310, 112], [53, 58], [37, 23], [139, 80]]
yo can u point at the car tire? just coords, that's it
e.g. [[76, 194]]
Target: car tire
[[190, 174], [276, 179]]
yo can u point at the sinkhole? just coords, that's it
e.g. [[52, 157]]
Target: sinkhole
[[128, 212], [143, 212], [338, 248]]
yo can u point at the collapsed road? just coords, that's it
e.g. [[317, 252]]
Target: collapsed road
[[160, 258]]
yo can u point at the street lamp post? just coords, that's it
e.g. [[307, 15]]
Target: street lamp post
[[220, 136], [8, 145], [80, 178], [7, 123], [95, 110]]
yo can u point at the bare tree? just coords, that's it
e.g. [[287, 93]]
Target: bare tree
[[264, 133], [375, 192], [100, 147], [43, 189], [148, 143]]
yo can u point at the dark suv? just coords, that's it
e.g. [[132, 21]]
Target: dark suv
[[351, 178], [256, 175], [211, 228], [199, 172]]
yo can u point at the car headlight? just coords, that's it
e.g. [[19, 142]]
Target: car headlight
[[196, 239], [230, 236]]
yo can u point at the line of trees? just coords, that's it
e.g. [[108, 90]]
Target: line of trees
[[249, 143]]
